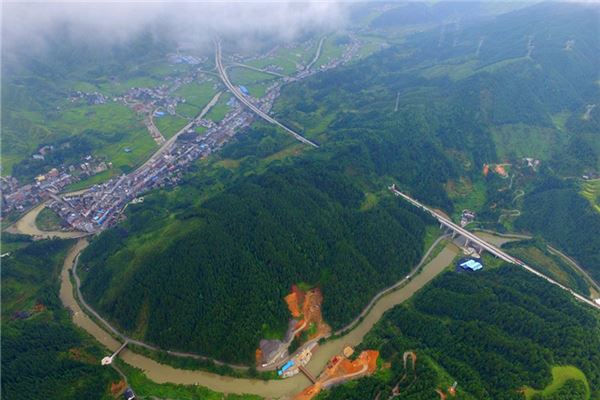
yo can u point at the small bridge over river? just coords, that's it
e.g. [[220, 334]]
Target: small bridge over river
[[307, 373], [108, 360]]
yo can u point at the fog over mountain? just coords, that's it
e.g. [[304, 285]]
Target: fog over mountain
[[28, 26]]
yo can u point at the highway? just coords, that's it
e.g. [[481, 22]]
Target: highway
[[487, 246], [317, 54], [240, 96]]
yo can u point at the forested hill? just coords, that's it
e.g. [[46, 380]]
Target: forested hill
[[447, 101], [204, 267], [495, 333], [556, 211], [44, 356], [213, 280]]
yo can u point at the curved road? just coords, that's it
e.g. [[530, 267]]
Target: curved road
[[240, 96], [124, 337], [391, 288], [161, 373], [317, 55]]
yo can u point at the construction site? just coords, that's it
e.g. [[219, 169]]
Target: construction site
[[306, 307], [342, 368], [304, 330]]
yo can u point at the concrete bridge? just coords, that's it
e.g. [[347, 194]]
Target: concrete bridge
[[307, 374], [483, 245], [109, 360]]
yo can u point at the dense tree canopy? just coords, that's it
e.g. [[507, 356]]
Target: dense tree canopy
[[493, 332], [217, 286], [43, 355]]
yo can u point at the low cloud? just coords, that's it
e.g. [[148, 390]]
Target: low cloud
[[29, 26]]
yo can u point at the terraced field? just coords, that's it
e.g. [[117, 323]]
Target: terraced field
[[591, 191]]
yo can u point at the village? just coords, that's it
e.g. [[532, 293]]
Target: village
[[102, 205]]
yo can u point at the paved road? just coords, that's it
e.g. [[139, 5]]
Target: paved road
[[391, 288], [489, 247], [317, 55], [125, 338], [166, 145], [264, 71], [574, 265], [364, 312], [162, 373], [244, 100]]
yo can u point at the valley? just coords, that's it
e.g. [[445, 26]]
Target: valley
[[309, 201]]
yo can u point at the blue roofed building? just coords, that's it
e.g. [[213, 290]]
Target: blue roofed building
[[285, 367], [128, 394], [470, 264], [244, 90]]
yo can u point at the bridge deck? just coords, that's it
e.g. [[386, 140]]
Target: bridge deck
[[307, 373], [487, 246]]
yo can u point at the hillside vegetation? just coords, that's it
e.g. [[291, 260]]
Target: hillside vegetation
[[43, 355], [566, 219], [212, 259], [494, 333], [216, 273]]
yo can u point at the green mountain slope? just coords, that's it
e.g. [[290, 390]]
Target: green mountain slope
[[494, 333], [203, 268], [215, 275], [43, 355]]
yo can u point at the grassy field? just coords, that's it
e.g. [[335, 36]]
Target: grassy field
[[40, 112], [116, 88], [591, 191], [330, 51], [462, 69], [111, 127], [560, 374], [370, 201], [218, 111], [257, 90], [245, 76], [560, 120], [286, 58], [370, 44], [466, 195], [196, 95], [92, 180], [169, 125], [48, 220], [526, 141]]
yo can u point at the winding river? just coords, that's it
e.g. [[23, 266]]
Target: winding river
[[27, 226], [162, 373]]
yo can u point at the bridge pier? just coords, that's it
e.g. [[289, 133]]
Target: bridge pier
[[108, 360]]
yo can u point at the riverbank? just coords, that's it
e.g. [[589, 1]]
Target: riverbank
[[26, 226], [161, 373]]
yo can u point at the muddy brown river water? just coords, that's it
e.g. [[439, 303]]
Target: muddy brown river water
[[26, 226], [162, 373]]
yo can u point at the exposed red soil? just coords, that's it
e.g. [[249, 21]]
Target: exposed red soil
[[79, 355], [117, 388], [258, 355], [306, 306], [340, 369]]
